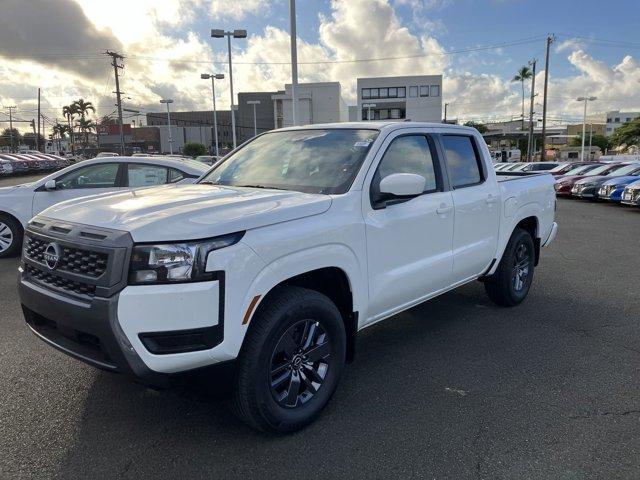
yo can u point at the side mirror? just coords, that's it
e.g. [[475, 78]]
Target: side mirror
[[50, 185], [403, 184]]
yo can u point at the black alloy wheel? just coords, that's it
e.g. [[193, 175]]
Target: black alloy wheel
[[299, 363]]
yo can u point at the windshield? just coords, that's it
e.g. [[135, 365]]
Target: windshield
[[560, 168], [626, 170], [581, 169], [311, 161], [602, 170]]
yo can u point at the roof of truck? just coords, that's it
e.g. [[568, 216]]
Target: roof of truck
[[379, 125]]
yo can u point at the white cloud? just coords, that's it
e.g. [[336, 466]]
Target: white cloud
[[237, 10], [570, 44]]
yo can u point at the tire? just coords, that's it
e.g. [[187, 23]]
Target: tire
[[269, 354], [10, 236], [511, 282]]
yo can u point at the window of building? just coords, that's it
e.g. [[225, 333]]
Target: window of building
[[628, 119], [413, 92], [366, 93], [374, 93], [409, 154], [462, 160], [395, 113], [608, 120], [424, 90], [383, 92], [616, 120], [393, 92], [434, 91], [384, 114], [402, 92]]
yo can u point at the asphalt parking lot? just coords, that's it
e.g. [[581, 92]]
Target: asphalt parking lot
[[455, 388]]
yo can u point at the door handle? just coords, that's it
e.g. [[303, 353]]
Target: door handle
[[443, 209], [491, 199]]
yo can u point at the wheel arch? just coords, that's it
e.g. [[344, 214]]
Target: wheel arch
[[333, 282]]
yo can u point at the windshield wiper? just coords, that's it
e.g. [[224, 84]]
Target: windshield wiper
[[258, 186]]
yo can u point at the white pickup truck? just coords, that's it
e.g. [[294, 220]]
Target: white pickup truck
[[279, 255]]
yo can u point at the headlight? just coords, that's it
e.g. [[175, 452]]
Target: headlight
[[175, 262]]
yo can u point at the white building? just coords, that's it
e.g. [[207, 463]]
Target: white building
[[418, 98], [317, 103], [616, 119]]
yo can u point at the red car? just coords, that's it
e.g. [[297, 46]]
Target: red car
[[564, 168], [565, 183]]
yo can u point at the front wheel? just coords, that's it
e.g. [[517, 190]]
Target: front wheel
[[511, 282], [10, 236], [291, 360]]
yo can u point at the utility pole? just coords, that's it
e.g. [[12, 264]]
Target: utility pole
[[445, 112], [38, 133], [294, 62], [543, 153], [533, 64], [115, 56], [11, 124]]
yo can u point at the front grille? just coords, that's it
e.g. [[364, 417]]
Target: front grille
[[74, 260], [59, 283]]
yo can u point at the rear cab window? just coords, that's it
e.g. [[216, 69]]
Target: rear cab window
[[463, 160]]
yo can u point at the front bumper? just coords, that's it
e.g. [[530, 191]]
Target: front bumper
[[631, 197], [136, 332]]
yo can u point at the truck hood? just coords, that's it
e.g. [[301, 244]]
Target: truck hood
[[188, 212]]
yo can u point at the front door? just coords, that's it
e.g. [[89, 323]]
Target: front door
[[88, 180], [409, 242]]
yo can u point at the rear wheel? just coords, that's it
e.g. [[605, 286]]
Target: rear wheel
[[291, 360], [10, 236], [511, 282]]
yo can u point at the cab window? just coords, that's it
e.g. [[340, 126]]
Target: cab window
[[409, 154], [144, 175], [463, 162], [101, 175]]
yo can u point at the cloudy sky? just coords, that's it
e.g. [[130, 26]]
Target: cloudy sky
[[477, 45]]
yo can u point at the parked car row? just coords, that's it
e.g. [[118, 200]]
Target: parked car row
[[18, 203], [606, 180], [20, 163]]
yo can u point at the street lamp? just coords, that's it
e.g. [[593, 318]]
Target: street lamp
[[584, 120], [255, 122], [217, 76], [217, 33], [168, 101], [369, 106]]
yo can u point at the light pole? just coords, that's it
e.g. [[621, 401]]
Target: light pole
[[584, 120], [217, 33], [590, 138], [255, 122], [168, 101], [213, 77], [369, 106], [294, 61]]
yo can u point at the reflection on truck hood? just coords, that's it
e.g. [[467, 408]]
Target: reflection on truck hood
[[186, 212]]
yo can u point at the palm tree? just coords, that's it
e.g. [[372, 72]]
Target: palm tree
[[82, 107], [69, 111], [85, 126], [523, 74]]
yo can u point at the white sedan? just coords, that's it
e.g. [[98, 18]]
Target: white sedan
[[19, 203]]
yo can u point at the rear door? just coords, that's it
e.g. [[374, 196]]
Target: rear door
[[409, 241], [84, 180], [476, 203]]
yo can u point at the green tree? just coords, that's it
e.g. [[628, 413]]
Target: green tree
[[523, 74], [29, 139], [85, 126], [69, 111], [597, 140], [627, 134], [9, 134], [194, 149], [482, 128]]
